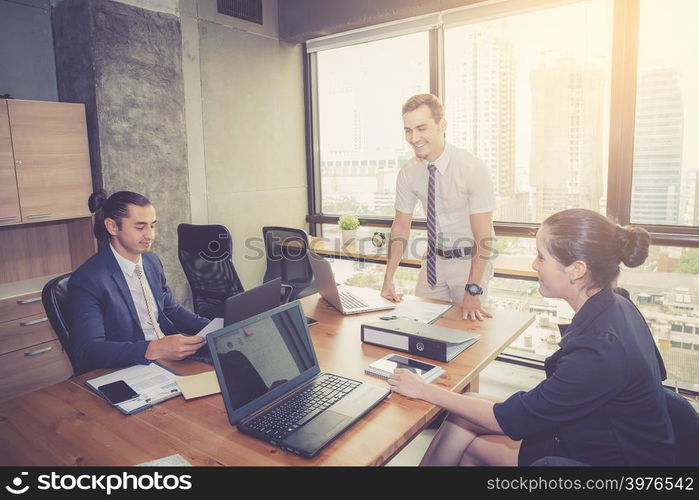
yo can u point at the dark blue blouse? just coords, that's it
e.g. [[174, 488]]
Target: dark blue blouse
[[602, 402]]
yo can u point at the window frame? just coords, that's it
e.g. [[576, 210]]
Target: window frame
[[625, 36]]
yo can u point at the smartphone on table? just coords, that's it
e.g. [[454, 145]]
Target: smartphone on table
[[118, 392]]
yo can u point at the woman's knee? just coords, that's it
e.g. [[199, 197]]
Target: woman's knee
[[494, 450], [453, 419]]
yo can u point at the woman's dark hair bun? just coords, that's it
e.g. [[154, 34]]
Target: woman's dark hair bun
[[633, 245], [97, 200]]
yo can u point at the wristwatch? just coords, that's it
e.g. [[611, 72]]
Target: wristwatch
[[473, 289], [378, 239]]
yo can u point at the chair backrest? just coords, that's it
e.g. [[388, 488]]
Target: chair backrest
[[553, 461], [685, 423], [206, 253], [287, 255], [54, 298]]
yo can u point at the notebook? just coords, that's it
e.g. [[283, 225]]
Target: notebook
[[346, 299], [273, 388]]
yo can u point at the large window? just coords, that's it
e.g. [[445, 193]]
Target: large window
[[666, 152], [360, 92], [589, 103], [528, 95]]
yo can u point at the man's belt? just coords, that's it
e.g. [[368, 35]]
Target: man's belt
[[454, 253]]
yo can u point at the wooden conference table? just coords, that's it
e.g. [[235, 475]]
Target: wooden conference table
[[67, 424]]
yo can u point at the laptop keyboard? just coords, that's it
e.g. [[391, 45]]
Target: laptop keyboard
[[284, 419], [349, 301]]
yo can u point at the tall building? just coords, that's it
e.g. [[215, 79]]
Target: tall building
[[657, 157], [567, 126], [481, 107]]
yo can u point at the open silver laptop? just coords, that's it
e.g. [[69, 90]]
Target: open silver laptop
[[346, 299]]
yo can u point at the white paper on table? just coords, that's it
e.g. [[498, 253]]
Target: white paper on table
[[214, 325], [176, 460], [422, 312]]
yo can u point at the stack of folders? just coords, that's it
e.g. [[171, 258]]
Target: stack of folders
[[430, 341]]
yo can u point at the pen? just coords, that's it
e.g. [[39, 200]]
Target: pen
[[396, 317], [161, 394]]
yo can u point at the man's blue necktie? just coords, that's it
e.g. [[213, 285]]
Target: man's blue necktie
[[431, 229]]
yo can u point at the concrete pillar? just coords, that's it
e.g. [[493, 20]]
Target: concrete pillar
[[125, 64]]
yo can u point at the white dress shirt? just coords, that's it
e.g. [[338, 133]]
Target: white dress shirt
[[463, 187], [129, 270]]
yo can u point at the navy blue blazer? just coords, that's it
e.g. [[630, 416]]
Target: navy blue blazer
[[105, 330], [602, 402]]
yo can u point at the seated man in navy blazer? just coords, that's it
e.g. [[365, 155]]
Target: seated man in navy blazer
[[121, 311]]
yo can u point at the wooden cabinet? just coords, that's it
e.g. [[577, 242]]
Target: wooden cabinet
[[45, 230], [31, 356], [30, 369], [44, 161]]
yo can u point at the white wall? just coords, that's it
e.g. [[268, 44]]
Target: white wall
[[244, 115], [252, 128]]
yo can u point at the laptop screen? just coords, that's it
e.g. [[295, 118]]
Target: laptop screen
[[254, 301], [262, 358]]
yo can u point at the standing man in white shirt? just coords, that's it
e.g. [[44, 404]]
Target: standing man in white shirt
[[456, 192]]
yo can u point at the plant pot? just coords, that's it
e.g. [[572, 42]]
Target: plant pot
[[348, 236]]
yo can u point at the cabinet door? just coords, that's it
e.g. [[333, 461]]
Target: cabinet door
[[52, 161], [9, 201], [32, 368]]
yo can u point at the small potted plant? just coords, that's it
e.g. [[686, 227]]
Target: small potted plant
[[348, 227]]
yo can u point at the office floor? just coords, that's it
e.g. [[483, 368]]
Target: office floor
[[498, 379]]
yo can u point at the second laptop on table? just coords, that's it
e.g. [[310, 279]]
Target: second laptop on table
[[245, 305], [347, 300]]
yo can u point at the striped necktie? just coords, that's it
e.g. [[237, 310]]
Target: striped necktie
[[149, 304], [431, 229]]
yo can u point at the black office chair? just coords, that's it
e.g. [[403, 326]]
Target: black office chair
[[206, 254], [553, 461], [54, 297], [287, 257], [685, 424]]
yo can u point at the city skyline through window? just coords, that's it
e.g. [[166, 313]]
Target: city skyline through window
[[361, 89], [529, 95], [666, 160]]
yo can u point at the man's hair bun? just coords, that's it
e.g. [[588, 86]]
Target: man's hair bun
[[97, 200]]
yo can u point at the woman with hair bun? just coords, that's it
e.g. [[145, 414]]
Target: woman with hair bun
[[602, 402]]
